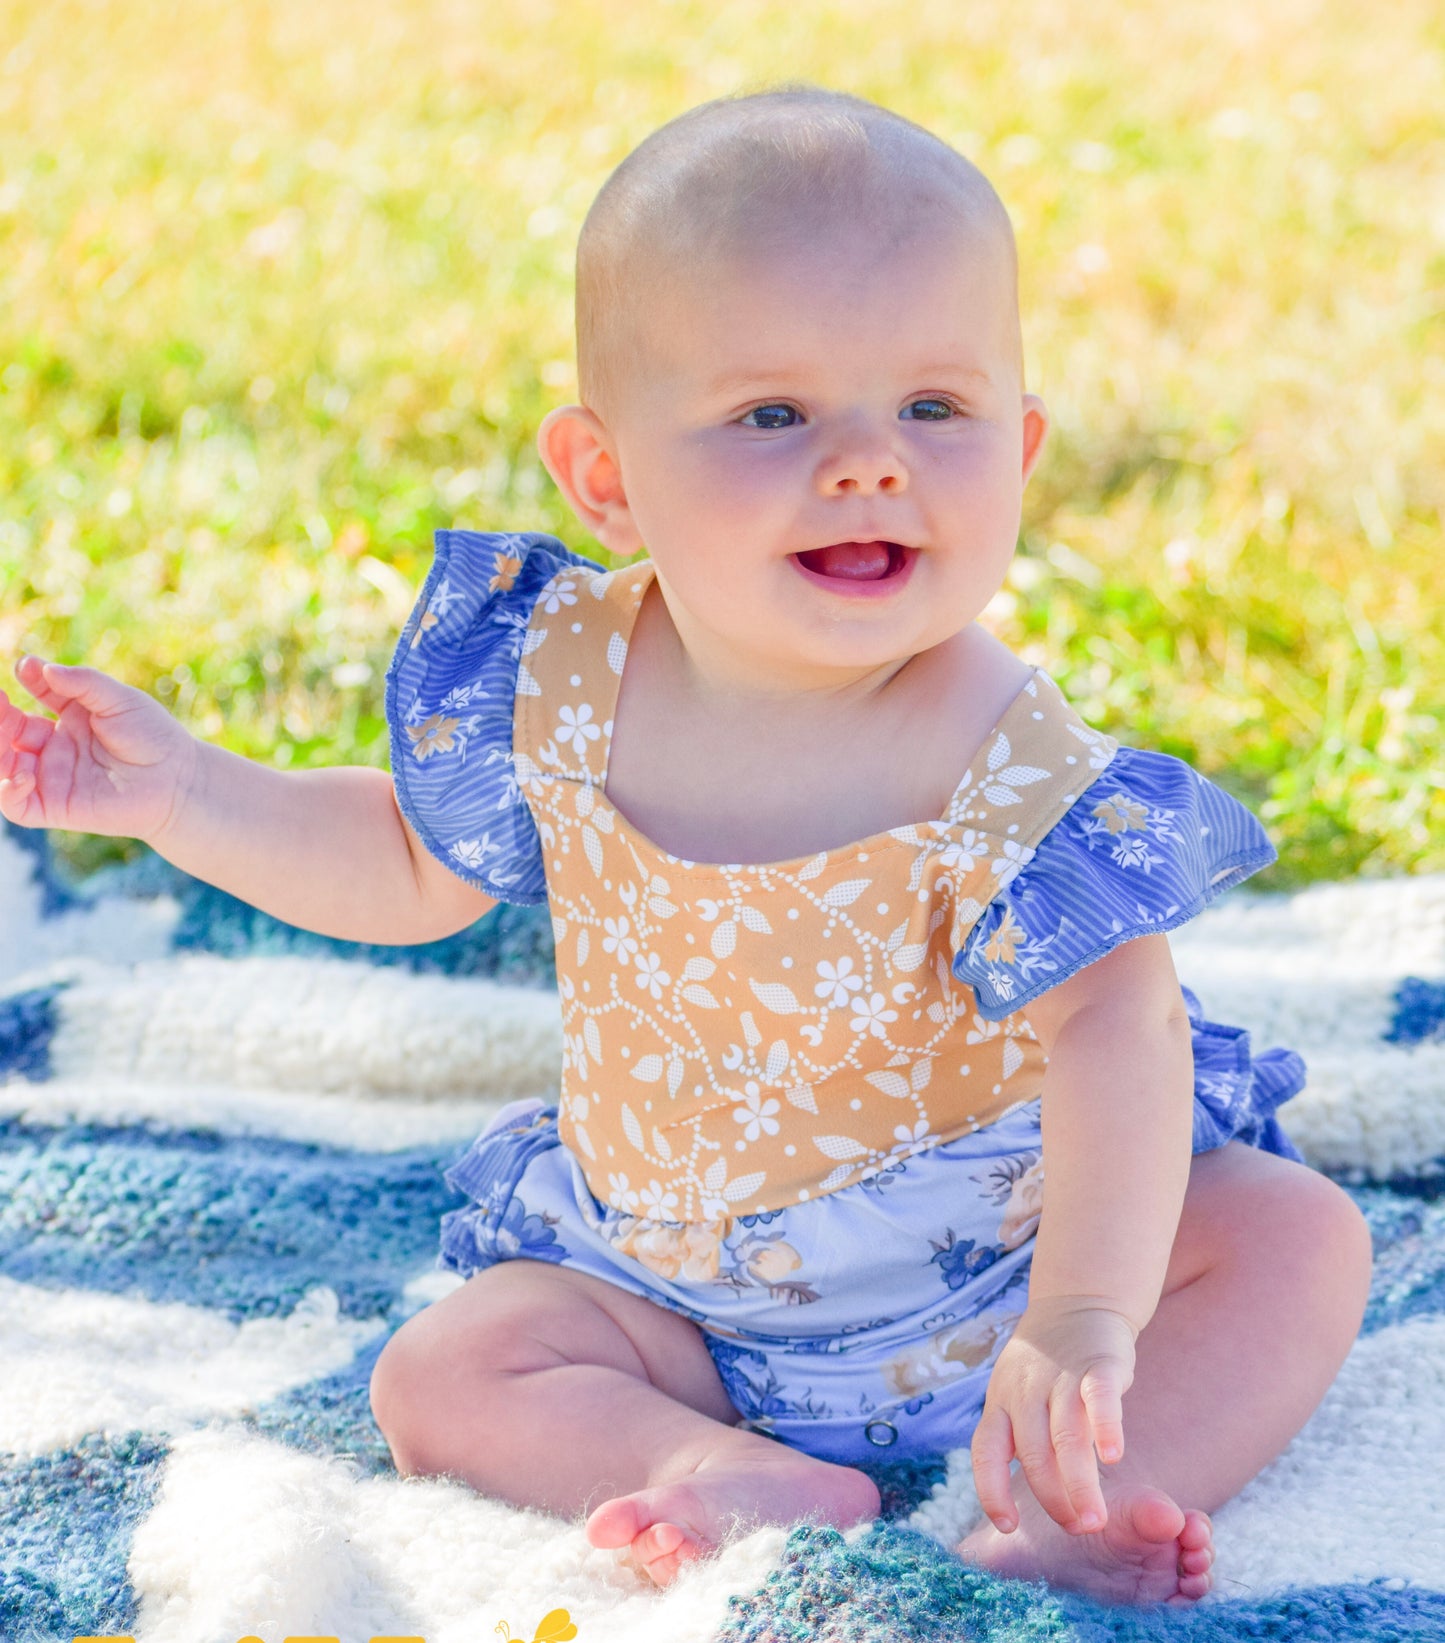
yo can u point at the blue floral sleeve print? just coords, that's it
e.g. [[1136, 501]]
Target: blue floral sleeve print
[[1145, 849], [449, 699]]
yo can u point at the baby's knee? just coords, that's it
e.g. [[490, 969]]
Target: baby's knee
[[1323, 1242], [403, 1393], [1272, 1220], [1345, 1235]]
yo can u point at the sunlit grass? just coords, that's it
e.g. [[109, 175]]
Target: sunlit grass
[[284, 288]]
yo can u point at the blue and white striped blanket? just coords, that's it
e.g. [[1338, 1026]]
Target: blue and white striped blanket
[[221, 1146]]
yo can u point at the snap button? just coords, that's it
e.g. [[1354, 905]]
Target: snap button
[[881, 1433]]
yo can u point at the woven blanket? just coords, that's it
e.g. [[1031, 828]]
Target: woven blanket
[[221, 1154]]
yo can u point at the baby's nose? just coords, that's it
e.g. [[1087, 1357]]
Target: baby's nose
[[862, 464]]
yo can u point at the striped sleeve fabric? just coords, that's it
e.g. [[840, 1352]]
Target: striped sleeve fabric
[[1145, 849], [450, 692]]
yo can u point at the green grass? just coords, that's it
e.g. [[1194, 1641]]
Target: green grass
[[283, 289]]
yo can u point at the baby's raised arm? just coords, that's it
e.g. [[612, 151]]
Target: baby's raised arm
[[326, 849], [1117, 1130]]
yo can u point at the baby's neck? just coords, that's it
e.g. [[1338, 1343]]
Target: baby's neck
[[706, 679], [756, 776]]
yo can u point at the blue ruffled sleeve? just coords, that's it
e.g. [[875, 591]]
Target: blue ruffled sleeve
[[449, 699], [1147, 847]]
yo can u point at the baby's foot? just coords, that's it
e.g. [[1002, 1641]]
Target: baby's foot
[[747, 1482], [1150, 1550]]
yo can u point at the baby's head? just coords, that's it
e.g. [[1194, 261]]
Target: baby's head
[[754, 177], [802, 385]]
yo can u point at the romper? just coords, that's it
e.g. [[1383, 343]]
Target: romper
[[800, 1100]]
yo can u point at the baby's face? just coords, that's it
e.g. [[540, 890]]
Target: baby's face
[[824, 448]]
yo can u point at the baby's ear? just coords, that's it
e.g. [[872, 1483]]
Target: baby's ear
[[1036, 427], [578, 453]]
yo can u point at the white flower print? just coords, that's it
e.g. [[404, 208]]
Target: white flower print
[[471, 853], [574, 725], [557, 594], [511, 793], [906, 1137], [1015, 858], [619, 939], [574, 1059], [963, 852], [1129, 851], [444, 596], [837, 981], [620, 1195], [656, 1201], [1003, 984], [982, 1029], [651, 974], [754, 1112], [870, 1015]]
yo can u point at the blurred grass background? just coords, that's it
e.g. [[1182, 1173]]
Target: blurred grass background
[[284, 288]]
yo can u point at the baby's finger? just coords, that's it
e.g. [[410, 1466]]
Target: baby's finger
[[1074, 1452], [17, 799], [1103, 1390], [28, 734], [29, 670], [1033, 1443], [56, 686], [11, 719], [993, 1449], [20, 732]]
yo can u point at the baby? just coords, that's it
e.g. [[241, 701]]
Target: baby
[[857, 922]]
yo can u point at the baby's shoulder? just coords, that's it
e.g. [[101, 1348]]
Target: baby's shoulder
[[964, 688], [991, 667]]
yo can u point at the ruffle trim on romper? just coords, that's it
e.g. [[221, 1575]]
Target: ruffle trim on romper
[[450, 694], [1147, 848], [1235, 1092], [495, 1225]]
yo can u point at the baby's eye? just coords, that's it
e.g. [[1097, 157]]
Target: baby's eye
[[771, 416], [927, 410]]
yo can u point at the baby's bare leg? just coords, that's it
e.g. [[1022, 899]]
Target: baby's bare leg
[[1263, 1298], [549, 1388]]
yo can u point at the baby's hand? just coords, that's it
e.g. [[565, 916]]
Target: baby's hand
[[111, 761], [1054, 1398]]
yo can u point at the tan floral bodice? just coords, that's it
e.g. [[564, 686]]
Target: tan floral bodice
[[740, 1038]]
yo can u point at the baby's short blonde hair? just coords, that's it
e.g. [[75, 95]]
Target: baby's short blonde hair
[[753, 171]]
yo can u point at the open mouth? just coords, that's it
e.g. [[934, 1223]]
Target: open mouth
[[855, 561]]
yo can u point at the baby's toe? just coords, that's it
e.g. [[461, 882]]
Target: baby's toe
[[661, 1551], [1198, 1531], [660, 1540], [615, 1523], [1193, 1587], [1152, 1517], [1196, 1560]]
